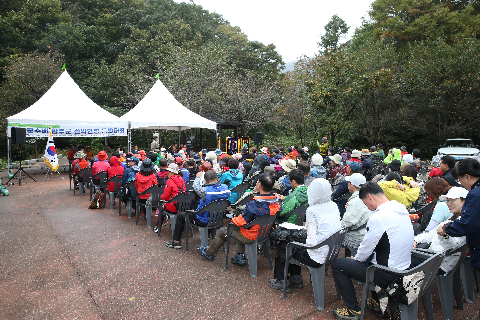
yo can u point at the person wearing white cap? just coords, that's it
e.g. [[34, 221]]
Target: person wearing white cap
[[356, 214], [337, 168], [455, 198]]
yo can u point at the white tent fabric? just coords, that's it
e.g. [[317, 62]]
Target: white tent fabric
[[160, 110], [69, 112]]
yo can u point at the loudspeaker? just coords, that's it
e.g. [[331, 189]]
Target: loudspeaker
[[258, 138], [19, 135]]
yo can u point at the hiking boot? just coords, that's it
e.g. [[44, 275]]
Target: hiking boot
[[296, 281], [373, 305], [239, 259], [203, 252], [278, 285], [174, 244], [346, 313]]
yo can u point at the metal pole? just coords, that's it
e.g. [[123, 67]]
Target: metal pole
[[129, 135], [179, 132], [9, 152]]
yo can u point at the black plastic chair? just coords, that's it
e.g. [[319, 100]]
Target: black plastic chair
[[240, 190], [117, 188], [429, 268], [426, 213], [300, 212], [334, 243], [84, 174], [153, 201], [216, 210], [128, 205], [102, 176], [184, 202], [242, 202], [265, 223]]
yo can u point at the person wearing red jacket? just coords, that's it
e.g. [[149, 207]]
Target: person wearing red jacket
[[100, 165], [115, 170], [82, 163], [174, 185], [144, 180]]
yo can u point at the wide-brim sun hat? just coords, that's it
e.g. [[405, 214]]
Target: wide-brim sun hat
[[146, 165], [356, 154], [79, 155], [288, 165], [336, 158], [102, 155], [218, 152], [172, 167]]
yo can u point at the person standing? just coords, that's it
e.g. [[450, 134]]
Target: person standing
[[155, 146], [468, 172]]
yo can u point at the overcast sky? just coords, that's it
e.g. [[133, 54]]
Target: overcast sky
[[294, 27]]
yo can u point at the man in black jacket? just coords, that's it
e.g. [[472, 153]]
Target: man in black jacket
[[446, 164]]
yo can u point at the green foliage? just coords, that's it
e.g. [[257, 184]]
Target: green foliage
[[417, 20], [335, 29]]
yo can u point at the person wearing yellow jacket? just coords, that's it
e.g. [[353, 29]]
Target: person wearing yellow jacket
[[405, 193], [323, 147], [393, 154]]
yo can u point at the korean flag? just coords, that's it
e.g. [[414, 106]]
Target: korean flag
[[50, 156]]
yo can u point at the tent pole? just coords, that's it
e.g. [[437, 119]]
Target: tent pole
[[129, 134], [179, 133], [9, 141], [106, 143]]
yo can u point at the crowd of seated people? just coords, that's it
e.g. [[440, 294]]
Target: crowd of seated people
[[365, 192]]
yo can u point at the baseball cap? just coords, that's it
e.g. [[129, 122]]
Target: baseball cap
[[357, 179], [455, 193]]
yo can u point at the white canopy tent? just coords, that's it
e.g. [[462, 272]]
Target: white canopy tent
[[68, 112], [160, 110]]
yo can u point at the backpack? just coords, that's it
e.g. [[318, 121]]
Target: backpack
[[404, 290], [97, 201]]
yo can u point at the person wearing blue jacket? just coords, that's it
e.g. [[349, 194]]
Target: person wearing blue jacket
[[129, 175], [232, 178], [213, 190], [468, 172]]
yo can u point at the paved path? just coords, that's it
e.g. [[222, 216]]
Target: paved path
[[60, 260]]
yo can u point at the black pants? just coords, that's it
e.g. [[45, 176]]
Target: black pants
[[299, 254], [344, 270], [180, 224]]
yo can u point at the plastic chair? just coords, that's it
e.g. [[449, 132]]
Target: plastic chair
[[155, 192], [117, 187], [449, 285], [184, 203], [85, 175], [265, 222], [300, 212], [334, 243], [429, 268], [240, 190], [102, 176], [242, 202], [467, 274], [128, 205], [216, 210]]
